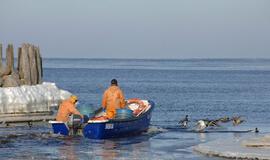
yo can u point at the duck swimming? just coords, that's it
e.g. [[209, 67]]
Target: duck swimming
[[184, 121], [254, 130]]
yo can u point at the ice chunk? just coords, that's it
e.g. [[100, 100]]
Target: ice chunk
[[27, 99], [258, 141], [233, 148]]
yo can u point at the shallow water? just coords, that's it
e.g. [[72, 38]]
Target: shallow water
[[200, 88]]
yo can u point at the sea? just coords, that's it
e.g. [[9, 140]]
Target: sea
[[199, 88]]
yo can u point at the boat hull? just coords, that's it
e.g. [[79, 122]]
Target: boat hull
[[119, 127]]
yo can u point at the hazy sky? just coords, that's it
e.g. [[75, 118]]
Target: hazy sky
[[139, 28]]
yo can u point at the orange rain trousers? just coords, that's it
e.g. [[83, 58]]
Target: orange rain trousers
[[65, 109], [113, 98]]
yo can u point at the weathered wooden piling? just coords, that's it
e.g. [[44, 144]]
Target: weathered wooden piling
[[33, 65], [10, 57], [1, 55], [25, 65], [39, 65], [19, 58]]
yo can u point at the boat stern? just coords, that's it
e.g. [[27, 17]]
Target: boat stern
[[59, 127]]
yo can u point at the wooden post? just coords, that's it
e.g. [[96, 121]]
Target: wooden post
[[39, 65], [25, 66], [19, 59], [1, 55], [33, 65], [10, 57]]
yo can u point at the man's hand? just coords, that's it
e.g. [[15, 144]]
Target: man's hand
[[85, 117], [82, 121]]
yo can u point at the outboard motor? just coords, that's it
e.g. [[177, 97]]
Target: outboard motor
[[74, 123]]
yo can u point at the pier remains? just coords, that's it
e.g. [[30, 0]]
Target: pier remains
[[24, 97], [29, 68]]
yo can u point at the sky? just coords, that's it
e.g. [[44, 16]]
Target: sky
[[150, 29]]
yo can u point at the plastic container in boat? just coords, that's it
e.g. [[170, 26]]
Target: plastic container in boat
[[86, 110], [91, 115], [123, 113]]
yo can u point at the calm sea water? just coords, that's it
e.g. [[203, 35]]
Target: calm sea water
[[200, 88]]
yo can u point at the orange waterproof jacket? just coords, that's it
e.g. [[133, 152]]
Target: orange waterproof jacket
[[65, 109], [113, 98]]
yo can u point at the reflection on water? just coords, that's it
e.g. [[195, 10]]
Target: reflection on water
[[202, 137], [68, 149], [132, 147], [109, 149], [136, 147]]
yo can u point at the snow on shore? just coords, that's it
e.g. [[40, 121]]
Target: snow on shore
[[27, 99], [245, 148]]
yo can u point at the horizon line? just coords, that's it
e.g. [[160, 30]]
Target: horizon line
[[238, 58]]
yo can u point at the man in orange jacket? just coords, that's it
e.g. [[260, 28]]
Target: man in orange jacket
[[67, 108], [113, 98]]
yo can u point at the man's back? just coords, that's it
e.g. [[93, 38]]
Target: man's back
[[65, 109], [113, 98]]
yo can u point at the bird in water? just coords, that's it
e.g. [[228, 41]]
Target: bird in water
[[237, 120], [216, 122], [202, 125], [254, 130], [224, 120], [211, 122], [184, 121]]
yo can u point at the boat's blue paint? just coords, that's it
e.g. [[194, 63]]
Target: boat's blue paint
[[94, 130], [60, 128], [119, 127]]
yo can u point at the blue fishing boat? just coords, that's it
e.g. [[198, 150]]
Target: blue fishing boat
[[122, 125]]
